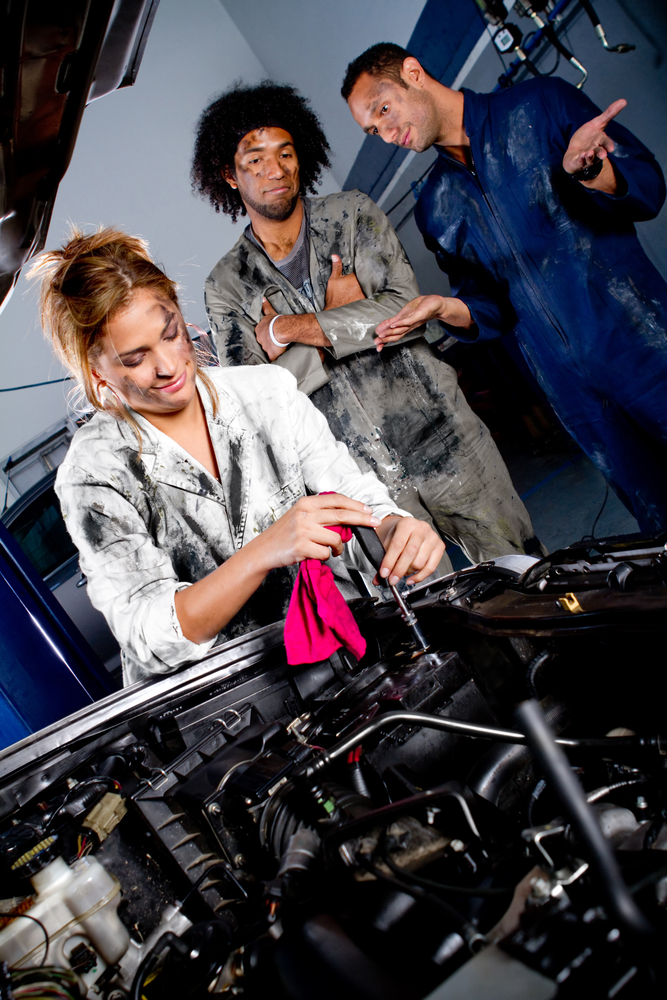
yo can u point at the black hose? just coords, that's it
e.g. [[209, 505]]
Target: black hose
[[535, 669], [152, 959], [562, 781]]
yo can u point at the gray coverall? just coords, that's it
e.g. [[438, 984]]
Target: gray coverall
[[400, 411]]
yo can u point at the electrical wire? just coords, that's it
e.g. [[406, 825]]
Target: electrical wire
[[153, 959], [648, 880], [604, 504], [487, 28], [404, 219], [204, 875], [467, 930], [548, 72], [49, 983], [35, 385], [98, 779]]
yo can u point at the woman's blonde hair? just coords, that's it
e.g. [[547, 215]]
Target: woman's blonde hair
[[84, 284]]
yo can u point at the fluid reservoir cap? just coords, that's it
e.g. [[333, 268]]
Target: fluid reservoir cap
[[37, 857]]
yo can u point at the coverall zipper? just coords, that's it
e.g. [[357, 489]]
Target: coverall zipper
[[495, 217]]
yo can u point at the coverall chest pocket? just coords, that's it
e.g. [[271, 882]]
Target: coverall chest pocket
[[286, 497], [280, 301]]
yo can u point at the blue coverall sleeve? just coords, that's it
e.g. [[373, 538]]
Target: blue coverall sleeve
[[489, 305], [641, 190]]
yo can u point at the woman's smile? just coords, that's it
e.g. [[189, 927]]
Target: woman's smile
[[174, 386]]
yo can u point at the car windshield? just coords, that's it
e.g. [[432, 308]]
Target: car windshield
[[41, 533]]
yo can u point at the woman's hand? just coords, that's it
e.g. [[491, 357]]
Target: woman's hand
[[301, 532], [420, 311], [411, 546]]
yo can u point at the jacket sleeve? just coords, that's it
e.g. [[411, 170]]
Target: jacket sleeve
[[232, 328], [130, 580], [233, 331], [491, 310], [641, 184], [386, 278]]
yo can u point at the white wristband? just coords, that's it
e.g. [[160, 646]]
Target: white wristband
[[276, 342]]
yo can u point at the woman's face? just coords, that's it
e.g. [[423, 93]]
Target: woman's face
[[148, 357]]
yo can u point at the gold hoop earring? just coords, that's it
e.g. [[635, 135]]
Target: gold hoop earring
[[100, 386]]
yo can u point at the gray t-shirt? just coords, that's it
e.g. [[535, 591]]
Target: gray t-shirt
[[296, 265]]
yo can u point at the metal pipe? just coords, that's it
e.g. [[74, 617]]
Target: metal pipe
[[465, 729], [549, 33], [531, 44], [600, 32], [558, 772], [420, 719]]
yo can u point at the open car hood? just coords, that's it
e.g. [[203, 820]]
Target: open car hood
[[56, 58]]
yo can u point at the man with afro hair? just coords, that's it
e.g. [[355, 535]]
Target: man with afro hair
[[305, 287]]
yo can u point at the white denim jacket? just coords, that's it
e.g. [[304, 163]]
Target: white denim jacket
[[149, 525]]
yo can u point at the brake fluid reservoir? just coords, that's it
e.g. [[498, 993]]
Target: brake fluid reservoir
[[71, 901]]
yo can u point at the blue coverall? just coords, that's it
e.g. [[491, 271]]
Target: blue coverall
[[529, 249]]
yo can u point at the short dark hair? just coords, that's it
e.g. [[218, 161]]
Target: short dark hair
[[384, 59], [239, 111]]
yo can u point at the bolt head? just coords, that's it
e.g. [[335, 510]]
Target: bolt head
[[214, 809], [541, 887]]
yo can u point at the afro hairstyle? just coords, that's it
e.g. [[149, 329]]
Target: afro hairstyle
[[237, 112]]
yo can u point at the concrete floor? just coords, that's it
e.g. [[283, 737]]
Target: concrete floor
[[564, 495]]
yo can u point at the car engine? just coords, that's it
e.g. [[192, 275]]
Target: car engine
[[484, 817]]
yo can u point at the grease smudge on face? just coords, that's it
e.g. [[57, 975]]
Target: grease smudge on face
[[148, 357]]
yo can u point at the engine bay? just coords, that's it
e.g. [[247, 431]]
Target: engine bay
[[485, 817]]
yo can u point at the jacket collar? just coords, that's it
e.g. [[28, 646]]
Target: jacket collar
[[475, 109], [167, 462]]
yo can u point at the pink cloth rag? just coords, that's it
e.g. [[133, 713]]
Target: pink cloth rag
[[318, 619]]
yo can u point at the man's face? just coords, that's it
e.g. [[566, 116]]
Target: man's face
[[406, 117], [267, 173]]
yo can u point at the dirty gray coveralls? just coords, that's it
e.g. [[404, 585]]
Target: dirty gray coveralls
[[400, 411]]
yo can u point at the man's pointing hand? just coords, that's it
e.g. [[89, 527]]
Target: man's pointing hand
[[591, 142]]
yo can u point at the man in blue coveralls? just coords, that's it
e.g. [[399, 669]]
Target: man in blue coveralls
[[530, 209]]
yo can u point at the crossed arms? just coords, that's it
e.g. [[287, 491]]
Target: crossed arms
[[348, 233]]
